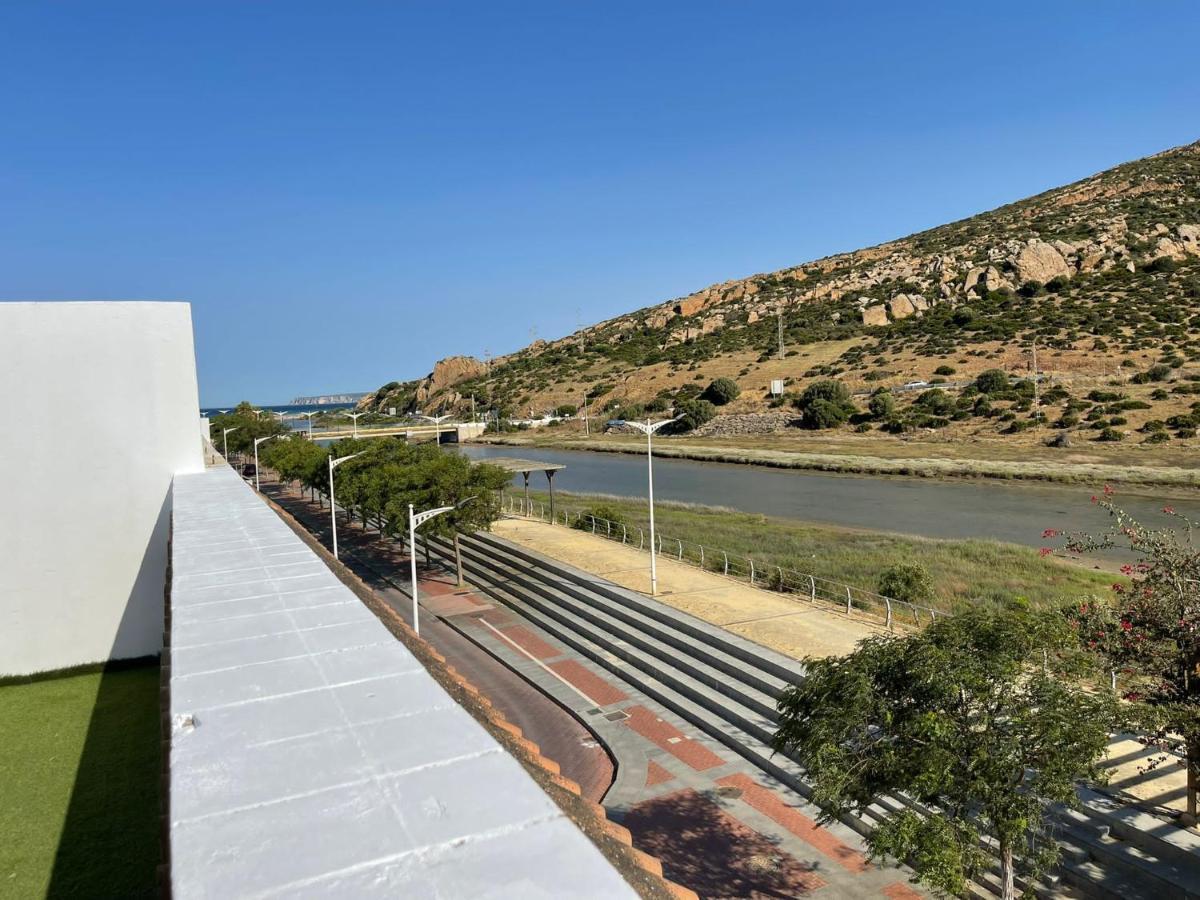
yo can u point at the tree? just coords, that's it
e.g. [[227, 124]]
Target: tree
[[566, 410], [975, 718], [249, 425], [992, 381], [825, 404], [909, 582], [822, 414], [722, 391], [1150, 631], [882, 404], [693, 414]]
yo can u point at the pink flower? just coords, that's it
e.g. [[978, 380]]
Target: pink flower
[[1095, 499], [1108, 491], [1045, 551], [1051, 532], [1126, 625], [1126, 570], [1169, 510], [1118, 587]]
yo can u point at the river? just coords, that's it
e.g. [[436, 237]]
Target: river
[[1006, 511]]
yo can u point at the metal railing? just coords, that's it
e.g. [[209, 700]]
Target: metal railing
[[813, 588]]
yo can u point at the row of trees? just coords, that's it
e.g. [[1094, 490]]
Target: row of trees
[[248, 423], [990, 718], [387, 475]]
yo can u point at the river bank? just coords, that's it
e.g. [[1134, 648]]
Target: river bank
[[1185, 481]]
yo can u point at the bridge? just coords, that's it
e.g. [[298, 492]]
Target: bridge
[[461, 431]]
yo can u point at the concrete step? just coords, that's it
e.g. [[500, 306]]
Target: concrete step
[[763, 659], [689, 678], [622, 636]]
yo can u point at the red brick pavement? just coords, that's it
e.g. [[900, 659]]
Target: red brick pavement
[[671, 739], [900, 891], [592, 685], [773, 807], [531, 643], [656, 774]]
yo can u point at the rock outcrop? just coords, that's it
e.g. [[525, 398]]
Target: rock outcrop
[[1039, 261]]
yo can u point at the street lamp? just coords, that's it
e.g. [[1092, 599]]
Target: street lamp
[[310, 415], [648, 429], [258, 441], [225, 441], [415, 519], [353, 416], [333, 464]]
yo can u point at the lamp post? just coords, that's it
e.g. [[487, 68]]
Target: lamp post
[[225, 441], [333, 464], [648, 428], [310, 415], [437, 420], [353, 416], [415, 519], [258, 441]]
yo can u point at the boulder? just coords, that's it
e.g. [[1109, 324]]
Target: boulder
[[1167, 247], [1038, 261], [875, 315], [993, 281], [1189, 237], [452, 370], [1090, 261], [902, 306]]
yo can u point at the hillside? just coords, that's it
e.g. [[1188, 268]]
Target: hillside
[[1102, 277]]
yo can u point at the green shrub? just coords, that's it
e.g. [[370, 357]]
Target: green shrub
[[821, 414], [1109, 435], [992, 381], [882, 404], [600, 511], [721, 391], [693, 414], [944, 370], [909, 582], [566, 409]]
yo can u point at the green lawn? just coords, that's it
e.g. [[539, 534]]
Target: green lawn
[[965, 571], [79, 771]]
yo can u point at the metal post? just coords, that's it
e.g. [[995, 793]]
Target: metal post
[[412, 564], [550, 480], [680, 550], [650, 487], [624, 533], [701, 546], [888, 604], [332, 507], [526, 474], [812, 589], [726, 555], [847, 599], [751, 571]]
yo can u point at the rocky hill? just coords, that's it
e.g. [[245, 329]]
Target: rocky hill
[[1101, 276]]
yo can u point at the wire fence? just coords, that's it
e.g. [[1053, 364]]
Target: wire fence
[[757, 573]]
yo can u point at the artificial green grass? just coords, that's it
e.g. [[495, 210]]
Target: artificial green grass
[[79, 774], [964, 572]]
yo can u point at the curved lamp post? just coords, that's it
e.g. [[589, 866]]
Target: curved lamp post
[[225, 441], [258, 441], [333, 464], [415, 519], [310, 415], [353, 416], [648, 428]]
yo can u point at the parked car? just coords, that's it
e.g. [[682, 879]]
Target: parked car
[[248, 470]]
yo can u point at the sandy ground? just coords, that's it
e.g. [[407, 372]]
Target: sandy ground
[[793, 628], [789, 626]]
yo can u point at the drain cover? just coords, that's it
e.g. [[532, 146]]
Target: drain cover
[[729, 791], [617, 716], [594, 711]]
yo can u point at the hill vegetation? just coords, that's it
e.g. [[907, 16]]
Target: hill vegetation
[[1067, 317]]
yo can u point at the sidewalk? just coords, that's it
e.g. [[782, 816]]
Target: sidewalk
[[790, 626]]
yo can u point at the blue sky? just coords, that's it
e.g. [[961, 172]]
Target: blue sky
[[348, 191]]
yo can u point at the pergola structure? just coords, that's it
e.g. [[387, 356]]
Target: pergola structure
[[525, 467]]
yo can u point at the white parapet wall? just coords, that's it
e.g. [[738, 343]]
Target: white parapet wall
[[100, 408]]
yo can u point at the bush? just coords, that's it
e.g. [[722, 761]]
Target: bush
[[944, 370], [693, 414], [936, 402], [600, 511], [882, 404], [821, 414], [1109, 435], [566, 409], [721, 391], [992, 381], [909, 582], [830, 390]]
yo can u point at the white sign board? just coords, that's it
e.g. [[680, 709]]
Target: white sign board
[[777, 387]]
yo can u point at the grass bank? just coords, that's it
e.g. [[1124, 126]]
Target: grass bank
[[1183, 479], [964, 572], [79, 774]]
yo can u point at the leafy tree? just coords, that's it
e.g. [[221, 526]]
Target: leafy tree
[[975, 718], [936, 402], [249, 424], [830, 390], [722, 391], [821, 414], [992, 381], [1151, 631], [944, 370], [910, 582], [882, 404], [693, 414], [566, 409]]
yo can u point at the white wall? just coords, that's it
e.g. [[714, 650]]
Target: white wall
[[98, 408]]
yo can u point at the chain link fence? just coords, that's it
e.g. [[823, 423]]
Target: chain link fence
[[757, 573]]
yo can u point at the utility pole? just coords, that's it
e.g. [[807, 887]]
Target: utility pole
[[1036, 411], [587, 428], [779, 319]]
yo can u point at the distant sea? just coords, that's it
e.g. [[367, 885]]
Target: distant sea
[[288, 409]]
